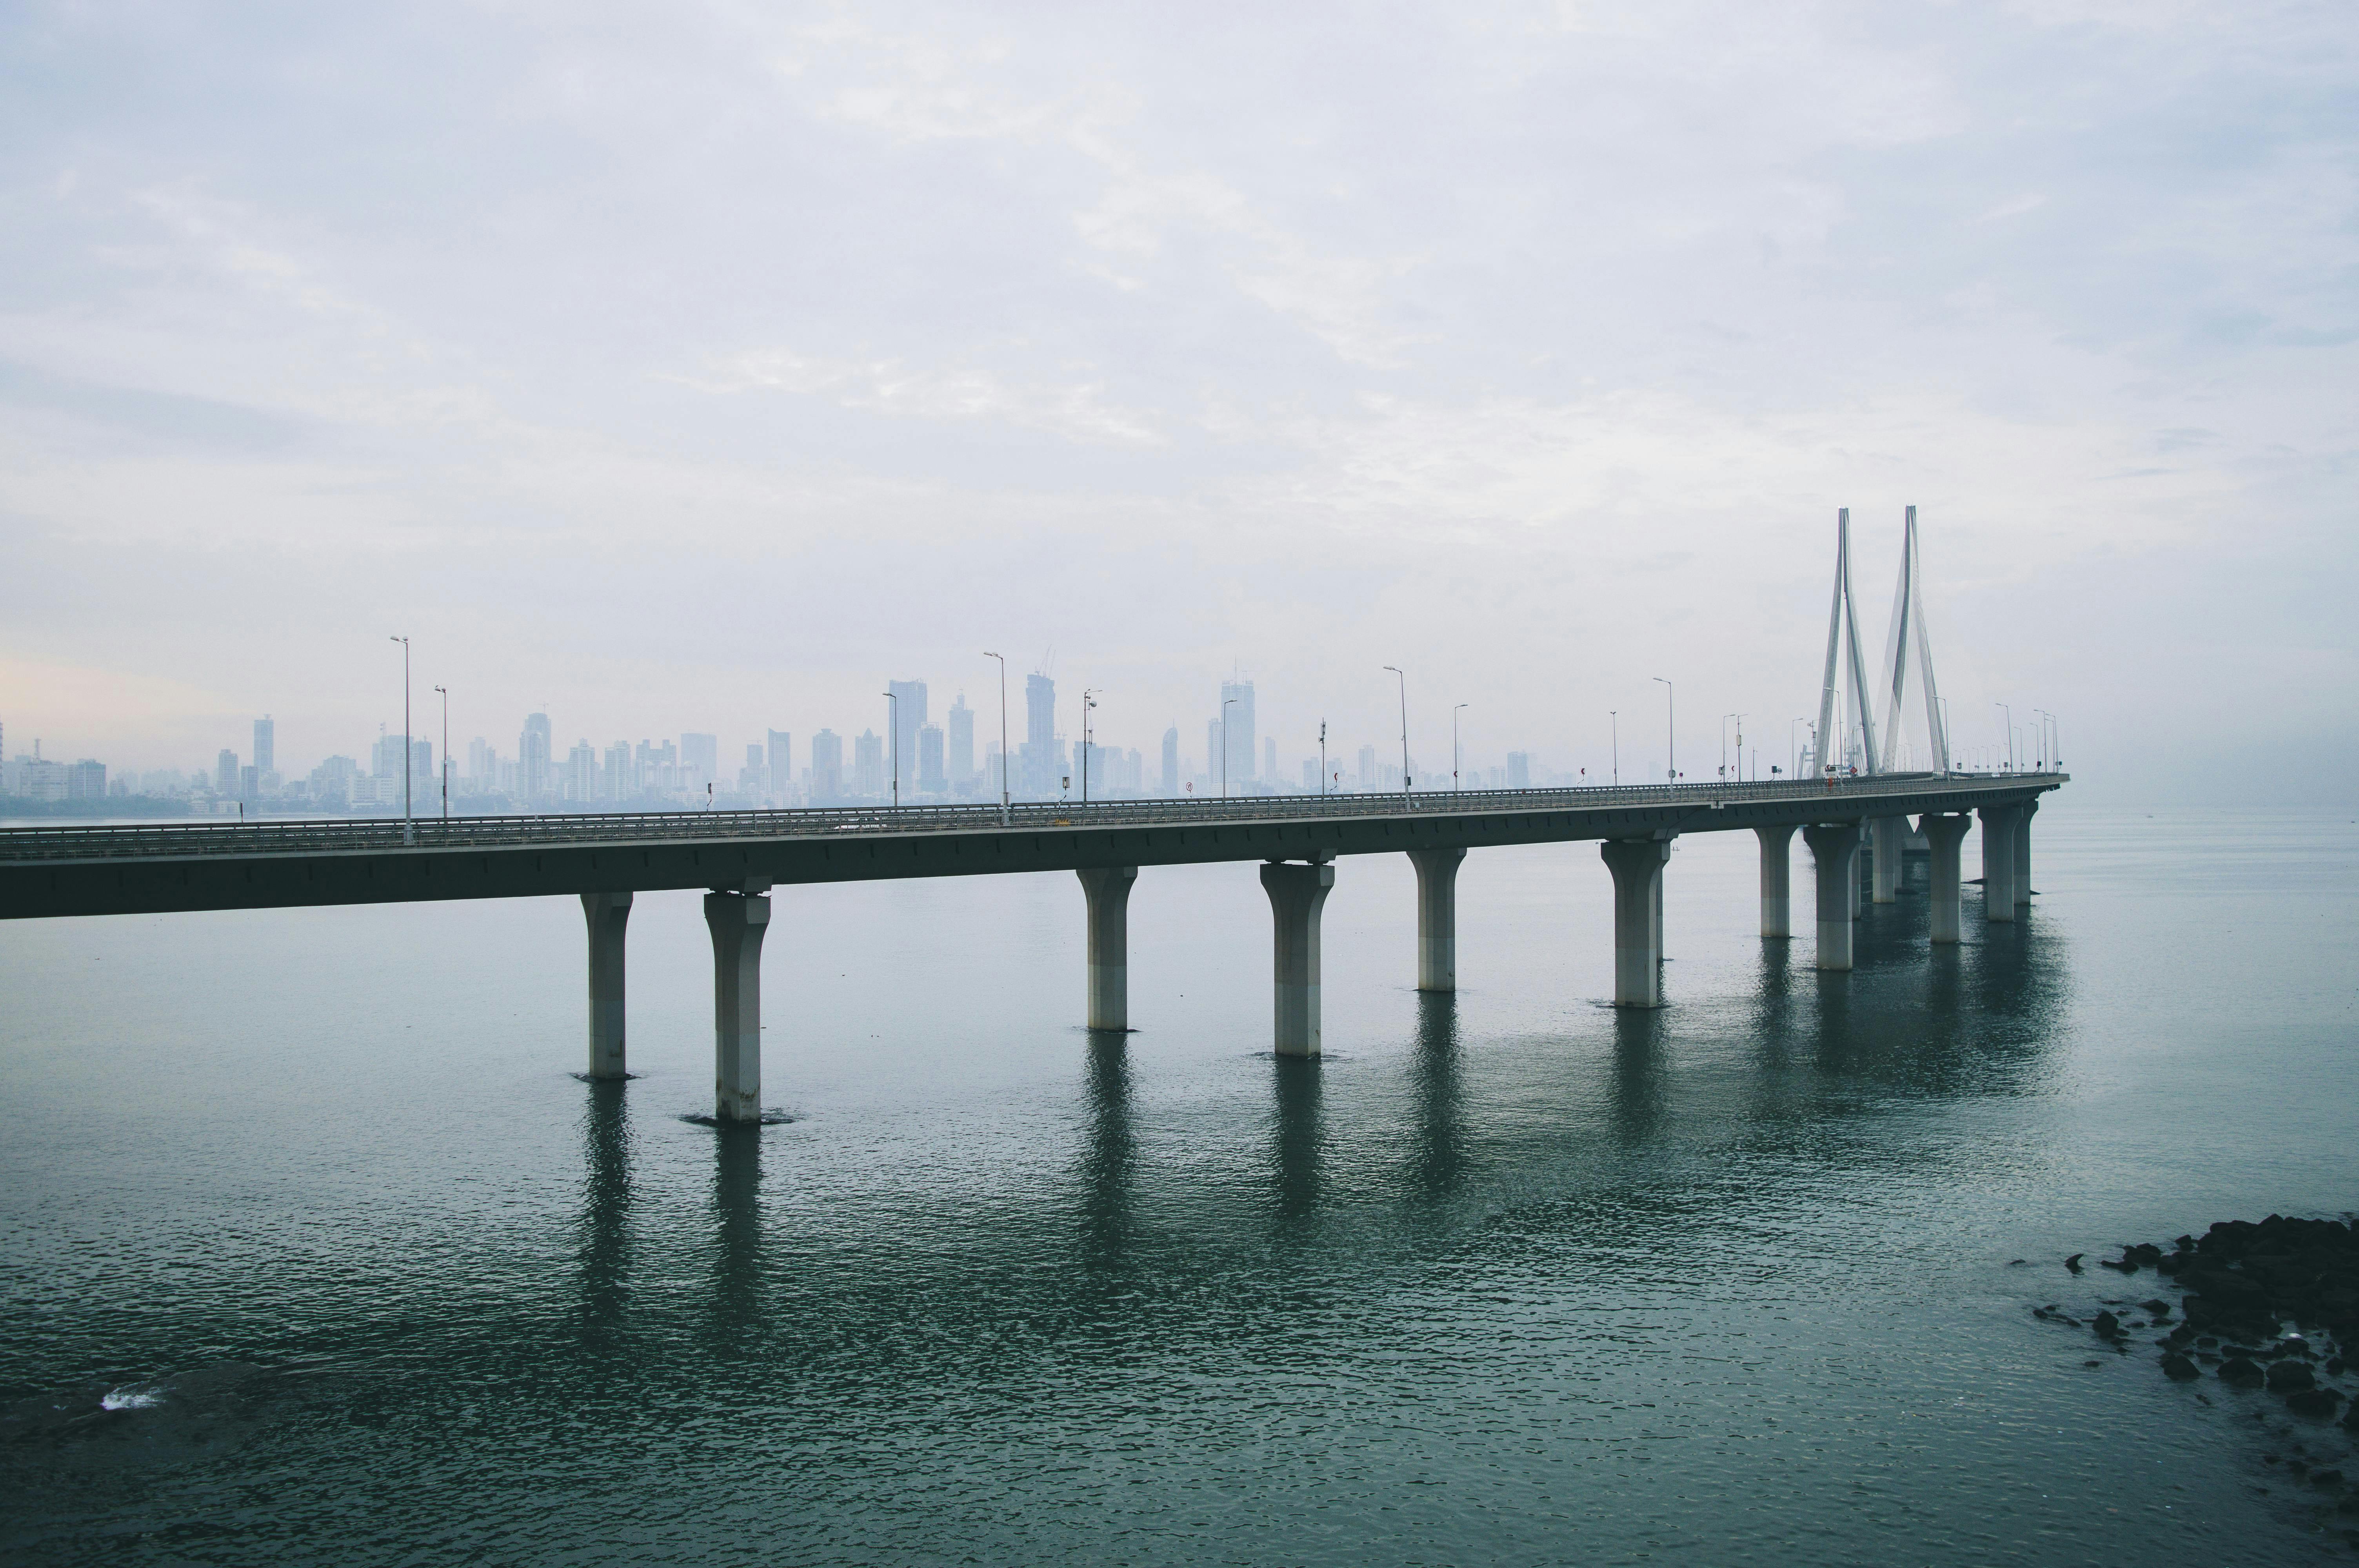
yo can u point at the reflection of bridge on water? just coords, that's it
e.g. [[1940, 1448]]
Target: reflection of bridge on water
[[738, 857]]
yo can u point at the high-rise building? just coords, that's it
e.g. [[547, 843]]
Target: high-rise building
[[249, 783], [481, 763], [536, 779], [1237, 704], [1171, 761], [826, 768], [780, 761], [1368, 780], [226, 774], [86, 780], [421, 764], [700, 760], [1519, 770], [1042, 765], [868, 764], [266, 749], [931, 779], [909, 716], [615, 773], [959, 763]]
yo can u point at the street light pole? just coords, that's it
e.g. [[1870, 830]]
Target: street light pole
[[1322, 756], [1005, 816], [893, 721], [1226, 703], [1671, 730], [408, 828], [446, 751], [1453, 747], [1403, 705], [2003, 707], [1089, 700], [1613, 723]]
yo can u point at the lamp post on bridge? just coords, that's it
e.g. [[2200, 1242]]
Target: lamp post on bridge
[[893, 746], [2003, 707], [446, 751], [1613, 729], [1322, 757], [1671, 727], [1724, 745], [1226, 703], [408, 829], [1403, 707], [1453, 745], [1089, 700], [1004, 816]]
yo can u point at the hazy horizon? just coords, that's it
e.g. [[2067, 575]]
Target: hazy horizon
[[700, 371]]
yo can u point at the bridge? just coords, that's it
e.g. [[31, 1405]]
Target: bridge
[[1859, 801], [739, 857]]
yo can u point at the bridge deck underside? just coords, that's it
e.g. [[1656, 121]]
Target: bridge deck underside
[[282, 877]]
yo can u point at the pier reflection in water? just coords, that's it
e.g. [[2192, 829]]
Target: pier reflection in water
[[1512, 1274]]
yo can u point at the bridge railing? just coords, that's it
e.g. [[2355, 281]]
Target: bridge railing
[[377, 835]]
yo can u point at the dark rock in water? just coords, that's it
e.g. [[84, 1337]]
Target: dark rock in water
[[2244, 1374], [2316, 1403], [2334, 1367], [2122, 1265], [2017, 1262], [2208, 1342], [2109, 1325], [2285, 1376], [2144, 1253], [2328, 1480], [2179, 1370], [2074, 1263], [2157, 1310], [2180, 1335]]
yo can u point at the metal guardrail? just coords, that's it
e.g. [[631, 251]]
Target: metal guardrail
[[379, 835]]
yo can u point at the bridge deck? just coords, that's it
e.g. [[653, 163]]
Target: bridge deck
[[108, 870]]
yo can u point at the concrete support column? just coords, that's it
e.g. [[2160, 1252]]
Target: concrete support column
[[1945, 834], [1437, 917], [607, 913], [1108, 887], [1834, 846], [1777, 880], [1887, 833], [738, 921], [1637, 868], [1999, 823], [2023, 852], [1297, 894]]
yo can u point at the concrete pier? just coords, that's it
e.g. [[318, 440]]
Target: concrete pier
[[1298, 892], [1999, 823], [738, 921], [2024, 814], [1108, 889], [605, 913], [1834, 846], [1777, 880], [1437, 917], [1886, 835], [1943, 834], [1637, 868]]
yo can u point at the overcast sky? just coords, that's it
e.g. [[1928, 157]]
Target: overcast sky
[[702, 367]]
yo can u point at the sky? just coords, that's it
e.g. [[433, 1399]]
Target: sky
[[702, 367]]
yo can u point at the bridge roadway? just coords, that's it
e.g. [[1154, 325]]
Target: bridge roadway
[[738, 856]]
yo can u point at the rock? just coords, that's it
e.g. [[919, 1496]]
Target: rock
[[2110, 1326], [2074, 1263], [2316, 1403], [2328, 1479], [2286, 1377], [2157, 1310], [2334, 1367], [2240, 1372], [2179, 1370], [2017, 1262]]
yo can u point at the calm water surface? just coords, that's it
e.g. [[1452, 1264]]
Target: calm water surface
[[1507, 1278]]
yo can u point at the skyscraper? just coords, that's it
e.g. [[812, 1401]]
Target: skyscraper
[[535, 779], [226, 774], [908, 717], [265, 747], [930, 777], [1367, 768], [1519, 770], [1171, 761], [960, 737], [781, 761], [1237, 703], [1039, 748], [868, 764], [826, 768]]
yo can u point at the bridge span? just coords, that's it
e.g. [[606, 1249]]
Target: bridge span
[[738, 857]]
